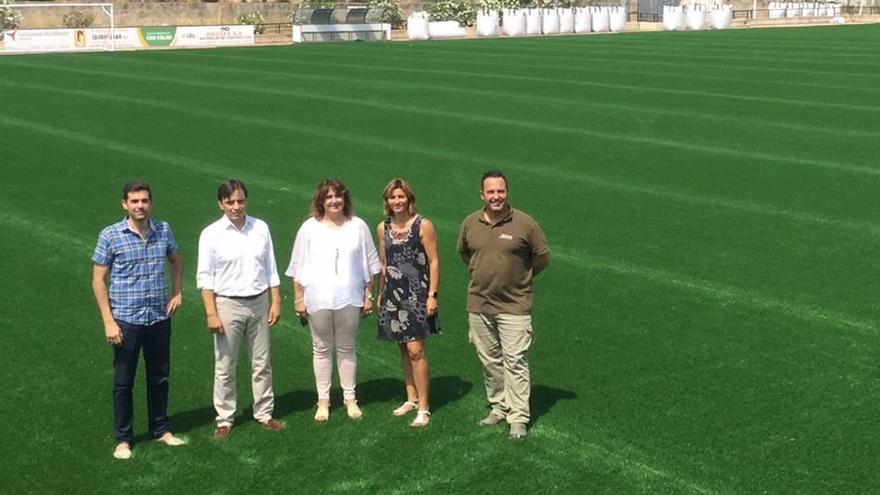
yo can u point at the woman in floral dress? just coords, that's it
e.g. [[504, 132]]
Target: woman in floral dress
[[408, 292]]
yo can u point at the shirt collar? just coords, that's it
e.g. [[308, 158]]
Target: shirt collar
[[506, 218], [227, 223], [125, 227]]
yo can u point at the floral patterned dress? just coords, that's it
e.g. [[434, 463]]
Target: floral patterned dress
[[403, 315]]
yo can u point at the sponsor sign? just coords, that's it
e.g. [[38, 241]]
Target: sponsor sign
[[123, 39], [26, 40], [43, 40], [215, 35], [157, 36]]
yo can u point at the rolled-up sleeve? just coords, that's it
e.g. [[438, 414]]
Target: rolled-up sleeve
[[372, 264]]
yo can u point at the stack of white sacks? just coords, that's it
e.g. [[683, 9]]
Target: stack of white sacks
[[696, 17], [779, 10], [520, 22]]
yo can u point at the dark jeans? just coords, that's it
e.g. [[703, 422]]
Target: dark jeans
[[155, 340]]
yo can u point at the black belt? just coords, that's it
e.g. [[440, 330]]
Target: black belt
[[243, 298]]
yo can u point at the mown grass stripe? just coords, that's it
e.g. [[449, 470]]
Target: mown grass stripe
[[671, 194], [623, 54], [762, 70], [597, 66], [622, 87], [705, 148], [561, 103], [819, 317]]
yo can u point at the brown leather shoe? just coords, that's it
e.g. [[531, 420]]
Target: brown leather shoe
[[273, 424], [222, 432]]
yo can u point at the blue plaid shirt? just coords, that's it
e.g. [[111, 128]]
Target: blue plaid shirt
[[138, 293]]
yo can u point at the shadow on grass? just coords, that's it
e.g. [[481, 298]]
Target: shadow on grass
[[544, 398], [444, 390]]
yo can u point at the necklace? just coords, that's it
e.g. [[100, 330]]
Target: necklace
[[398, 233]]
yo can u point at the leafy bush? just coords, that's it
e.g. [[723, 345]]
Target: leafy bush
[[497, 5], [318, 4], [78, 19], [9, 18], [256, 18], [462, 11], [393, 13]]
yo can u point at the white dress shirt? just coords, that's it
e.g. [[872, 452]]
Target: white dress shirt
[[237, 262], [333, 264]]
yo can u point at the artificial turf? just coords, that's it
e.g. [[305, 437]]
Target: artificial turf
[[708, 325]]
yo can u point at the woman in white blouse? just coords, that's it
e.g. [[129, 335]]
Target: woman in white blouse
[[333, 267]]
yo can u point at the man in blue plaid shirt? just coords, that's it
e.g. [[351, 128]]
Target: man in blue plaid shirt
[[136, 310]]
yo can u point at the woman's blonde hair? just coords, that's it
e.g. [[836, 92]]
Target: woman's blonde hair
[[404, 186]]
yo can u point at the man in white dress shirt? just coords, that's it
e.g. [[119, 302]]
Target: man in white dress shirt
[[241, 293]]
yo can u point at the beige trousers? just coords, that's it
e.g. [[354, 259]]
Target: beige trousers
[[502, 343], [244, 321]]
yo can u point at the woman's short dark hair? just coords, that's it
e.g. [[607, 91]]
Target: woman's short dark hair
[[323, 191], [227, 188], [404, 186]]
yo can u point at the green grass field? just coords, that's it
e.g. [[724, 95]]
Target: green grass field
[[709, 324]]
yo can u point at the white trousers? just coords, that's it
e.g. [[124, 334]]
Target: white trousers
[[335, 330]]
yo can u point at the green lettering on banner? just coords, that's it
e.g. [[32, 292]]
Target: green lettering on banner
[[158, 36]]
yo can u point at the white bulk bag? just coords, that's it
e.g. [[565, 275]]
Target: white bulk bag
[[566, 20], [601, 20], [514, 22], [695, 18], [673, 18], [583, 20], [722, 17], [550, 21], [417, 26], [617, 19], [487, 23], [533, 21], [446, 29]]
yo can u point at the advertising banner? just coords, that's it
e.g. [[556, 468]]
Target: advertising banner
[[39, 40], [215, 35], [99, 39], [44, 40], [157, 36]]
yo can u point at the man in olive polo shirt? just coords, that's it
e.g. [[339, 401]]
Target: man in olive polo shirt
[[504, 249]]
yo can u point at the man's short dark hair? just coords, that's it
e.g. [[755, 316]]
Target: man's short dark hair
[[135, 186], [494, 174], [227, 188]]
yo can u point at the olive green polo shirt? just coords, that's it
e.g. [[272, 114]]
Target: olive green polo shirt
[[501, 261]]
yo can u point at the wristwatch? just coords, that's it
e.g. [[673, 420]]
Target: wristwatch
[[433, 294]]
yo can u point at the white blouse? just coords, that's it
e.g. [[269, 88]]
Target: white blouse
[[333, 264]]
